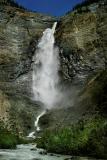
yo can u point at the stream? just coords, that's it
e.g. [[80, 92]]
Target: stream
[[29, 152]]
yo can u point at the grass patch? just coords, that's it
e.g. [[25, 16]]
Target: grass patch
[[9, 140]]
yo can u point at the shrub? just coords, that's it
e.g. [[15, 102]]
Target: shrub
[[7, 139], [78, 139]]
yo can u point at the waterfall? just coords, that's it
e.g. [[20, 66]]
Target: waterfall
[[45, 70], [32, 134], [45, 73], [37, 121]]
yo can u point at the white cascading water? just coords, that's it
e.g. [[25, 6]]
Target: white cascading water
[[32, 134], [37, 120], [45, 73]]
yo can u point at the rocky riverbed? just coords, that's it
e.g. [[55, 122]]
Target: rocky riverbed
[[29, 152]]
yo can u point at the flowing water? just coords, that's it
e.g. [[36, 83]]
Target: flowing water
[[37, 121], [25, 152], [45, 70], [32, 134], [45, 74]]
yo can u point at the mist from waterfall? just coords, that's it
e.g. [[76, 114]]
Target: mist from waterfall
[[45, 70], [45, 79]]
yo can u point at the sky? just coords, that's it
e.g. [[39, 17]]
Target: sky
[[51, 7]]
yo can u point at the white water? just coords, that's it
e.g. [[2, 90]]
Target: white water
[[37, 121], [31, 135], [45, 70], [25, 152], [45, 73]]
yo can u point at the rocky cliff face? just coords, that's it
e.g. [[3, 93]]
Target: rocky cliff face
[[81, 36], [19, 33]]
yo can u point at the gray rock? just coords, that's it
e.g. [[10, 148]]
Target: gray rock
[[19, 34], [43, 152], [82, 41]]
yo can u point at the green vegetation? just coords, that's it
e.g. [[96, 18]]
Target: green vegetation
[[9, 140], [83, 138]]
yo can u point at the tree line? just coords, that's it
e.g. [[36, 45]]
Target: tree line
[[85, 3], [11, 3]]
